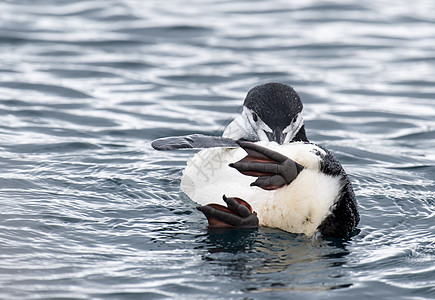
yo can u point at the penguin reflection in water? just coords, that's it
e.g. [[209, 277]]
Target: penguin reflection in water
[[272, 174]]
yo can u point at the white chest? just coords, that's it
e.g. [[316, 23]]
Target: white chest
[[299, 207]]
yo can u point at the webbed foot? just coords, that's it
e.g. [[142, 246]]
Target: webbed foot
[[273, 169], [238, 213]]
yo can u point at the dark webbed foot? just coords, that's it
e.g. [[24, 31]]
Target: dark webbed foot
[[238, 213], [273, 169]]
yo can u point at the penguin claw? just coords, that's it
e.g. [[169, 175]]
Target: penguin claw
[[237, 214], [273, 169]]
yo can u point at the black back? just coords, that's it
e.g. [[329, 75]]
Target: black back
[[345, 216]]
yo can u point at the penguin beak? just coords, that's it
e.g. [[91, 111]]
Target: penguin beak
[[276, 136]]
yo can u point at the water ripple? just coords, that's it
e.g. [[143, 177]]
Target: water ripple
[[89, 210]]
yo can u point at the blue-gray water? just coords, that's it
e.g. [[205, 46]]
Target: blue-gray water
[[90, 211]]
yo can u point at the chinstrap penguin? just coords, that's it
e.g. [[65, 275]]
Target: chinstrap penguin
[[300, 187]]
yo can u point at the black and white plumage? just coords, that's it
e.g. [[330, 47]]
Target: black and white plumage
[[300, 186], [272, 112]]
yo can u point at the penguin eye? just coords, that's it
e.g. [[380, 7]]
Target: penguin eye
[[294, 119], [254, 117]]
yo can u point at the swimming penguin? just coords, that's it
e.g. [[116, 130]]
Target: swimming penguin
[[300, 187]]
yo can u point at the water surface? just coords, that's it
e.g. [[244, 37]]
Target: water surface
[[91, 211]]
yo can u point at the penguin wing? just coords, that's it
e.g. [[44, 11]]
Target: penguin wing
[[193, 141]]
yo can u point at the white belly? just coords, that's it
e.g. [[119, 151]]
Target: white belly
[[299, 207]]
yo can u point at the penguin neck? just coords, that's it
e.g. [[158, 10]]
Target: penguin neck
[[301, 136]]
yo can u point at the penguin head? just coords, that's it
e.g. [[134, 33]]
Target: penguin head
[[274, 111]]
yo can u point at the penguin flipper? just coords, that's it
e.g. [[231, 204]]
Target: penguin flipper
[[237, 214], [273, 169], [193, 141]]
